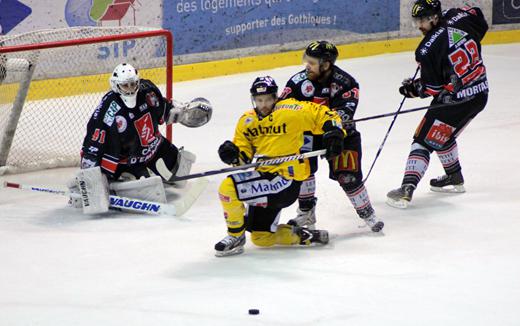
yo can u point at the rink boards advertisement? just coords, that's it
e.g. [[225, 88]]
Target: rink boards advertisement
[[506, 11], [214, 25], [208, 30]]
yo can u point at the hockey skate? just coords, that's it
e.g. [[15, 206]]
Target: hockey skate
[[230, 245], [308, 237], [374, 223], [400, 197], [448, 183], [305, 218]]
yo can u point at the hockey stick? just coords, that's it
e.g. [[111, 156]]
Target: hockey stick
[[389, 114], [134, 205], [273, 161], [395, 114]]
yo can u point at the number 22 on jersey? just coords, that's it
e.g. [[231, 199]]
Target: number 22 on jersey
[[465, 61]]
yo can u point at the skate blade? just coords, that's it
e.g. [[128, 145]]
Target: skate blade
[[232, 252], [400, 203], [457, 189]]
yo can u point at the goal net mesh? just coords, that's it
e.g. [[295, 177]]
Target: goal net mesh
[[66, 85]]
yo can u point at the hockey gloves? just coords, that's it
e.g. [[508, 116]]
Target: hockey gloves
[[229, 152], [332, 141], [410, 88]]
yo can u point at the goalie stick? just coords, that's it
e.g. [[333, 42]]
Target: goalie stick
[[272, 161], [177, 208]]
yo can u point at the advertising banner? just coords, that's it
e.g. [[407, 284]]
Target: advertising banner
[[212, 25], [506, 11], [21, 16]]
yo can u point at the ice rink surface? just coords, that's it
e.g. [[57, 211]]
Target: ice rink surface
[[447, 260]]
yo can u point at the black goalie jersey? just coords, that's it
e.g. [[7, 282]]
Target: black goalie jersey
[[450, 56], [118, 135], [340, 93]]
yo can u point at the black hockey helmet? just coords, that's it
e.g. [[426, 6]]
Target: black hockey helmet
[[426, 8], [323, 50], [264, 85]]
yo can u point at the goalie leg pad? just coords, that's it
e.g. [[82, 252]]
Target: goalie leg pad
[[185, 161], [74, 198], [93, 188], [149, 189]]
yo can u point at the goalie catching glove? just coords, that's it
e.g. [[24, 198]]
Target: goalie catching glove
[[193, 114]]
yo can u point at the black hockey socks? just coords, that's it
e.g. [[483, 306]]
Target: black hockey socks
[[416, 165], [449, 157]]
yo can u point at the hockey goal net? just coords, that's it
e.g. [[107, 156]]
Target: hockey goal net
[[51, 81]]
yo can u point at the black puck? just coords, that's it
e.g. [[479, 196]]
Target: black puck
[[254, 311]]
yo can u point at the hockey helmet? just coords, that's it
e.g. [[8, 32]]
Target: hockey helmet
[[264, 85], [426, 8], [125, 82], [323, 50]]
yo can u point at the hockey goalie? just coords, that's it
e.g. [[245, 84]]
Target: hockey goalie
[[124, 153]]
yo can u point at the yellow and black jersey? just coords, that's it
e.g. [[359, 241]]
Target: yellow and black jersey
[[281, 133]]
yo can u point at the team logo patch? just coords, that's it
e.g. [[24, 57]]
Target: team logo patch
[[335, 88], [286, 92], [121, 123], [308, 88], [110, 115], [151, 99], [299, 77], [353, 93], [439, 134], [248, 120], [455, 35], [347, 161], [145, 129]]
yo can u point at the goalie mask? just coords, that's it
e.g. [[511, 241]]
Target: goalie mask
[[125, 82]]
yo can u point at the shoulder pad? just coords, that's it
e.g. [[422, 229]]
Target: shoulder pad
[[110, 113], [342, 77], [145, 83], [429, 42], [248, 117], [299, 77]]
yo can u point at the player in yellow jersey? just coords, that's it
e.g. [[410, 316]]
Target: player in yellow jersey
[[274, 128]]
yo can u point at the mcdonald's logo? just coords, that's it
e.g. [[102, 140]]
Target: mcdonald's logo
[[347, 161]]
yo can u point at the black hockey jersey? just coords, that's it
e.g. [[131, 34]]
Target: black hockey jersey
[[340, 93], [450, 55], [118, 135]]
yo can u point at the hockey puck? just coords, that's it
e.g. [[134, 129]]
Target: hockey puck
[[254, 311]]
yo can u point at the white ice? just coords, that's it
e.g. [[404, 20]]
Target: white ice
[[447, 260]]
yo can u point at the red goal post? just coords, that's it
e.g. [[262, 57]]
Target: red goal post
[[51, 81]]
